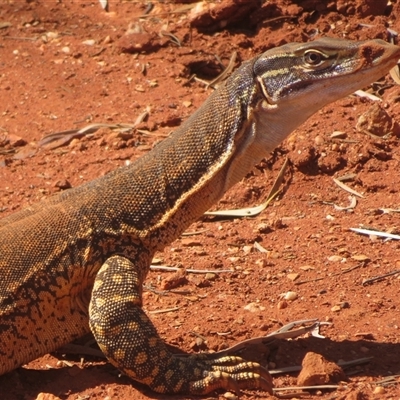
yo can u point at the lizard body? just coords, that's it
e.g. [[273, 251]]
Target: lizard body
[[76, 262]]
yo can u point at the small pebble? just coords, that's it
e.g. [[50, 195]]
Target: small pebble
[[339, 135], [230, 396], [282, 304], [263, 228], [292, 276], [52, 35], [291, 296], [210, 276], [254, 307], [319, 140], [89, 42], [379, 390], [247, 249]]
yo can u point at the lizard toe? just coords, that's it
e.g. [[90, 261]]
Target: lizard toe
[[230, 373], [214, 380], [245, 369]]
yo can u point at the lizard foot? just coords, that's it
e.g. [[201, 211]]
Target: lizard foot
[[229, 373]]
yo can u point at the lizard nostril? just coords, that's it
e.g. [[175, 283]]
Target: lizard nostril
[[372, 53]]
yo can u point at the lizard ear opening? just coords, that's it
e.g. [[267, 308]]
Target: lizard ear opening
[[268, 99]]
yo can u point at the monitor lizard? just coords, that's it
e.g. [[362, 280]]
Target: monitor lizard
[[75, 262]]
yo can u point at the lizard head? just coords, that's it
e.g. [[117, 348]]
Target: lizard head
[[329, 68]]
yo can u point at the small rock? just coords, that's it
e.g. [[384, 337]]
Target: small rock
[[107, 40], [254, 307], [62, 184], [66, 50], [230, 396], [52, 35], [377, 122], [263, 228], [379, 390], [303, 156], [202, 283], [210, 276], [190, 242], [274, 255], [282, 304], [265, 327], [344, 304], [248, 249], [293, 276], [339, 135], [89, 42], [319, 140], [336, 308], [316, 370], [276, 223], [335, 258], [290, 296], [174, 280], [140, 42], [217, 15]]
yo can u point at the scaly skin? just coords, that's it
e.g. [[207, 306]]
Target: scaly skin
[[77, 261]]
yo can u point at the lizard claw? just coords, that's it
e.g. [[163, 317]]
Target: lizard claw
[[232, 373]]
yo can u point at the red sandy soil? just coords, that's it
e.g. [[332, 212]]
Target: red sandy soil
[[52, 80]]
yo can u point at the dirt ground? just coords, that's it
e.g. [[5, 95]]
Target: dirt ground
[[67, 64]]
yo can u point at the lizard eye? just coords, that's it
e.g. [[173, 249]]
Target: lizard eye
[[313, 58]]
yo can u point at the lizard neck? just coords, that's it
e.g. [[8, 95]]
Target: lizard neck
[[166, 190]]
